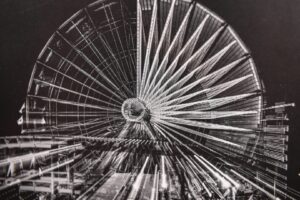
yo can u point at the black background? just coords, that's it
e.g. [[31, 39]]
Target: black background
[[269, 28]]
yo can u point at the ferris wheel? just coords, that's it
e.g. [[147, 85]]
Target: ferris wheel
[[154, 91], [178, 66]]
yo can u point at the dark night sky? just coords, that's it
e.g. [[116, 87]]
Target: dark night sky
[[270, 28]]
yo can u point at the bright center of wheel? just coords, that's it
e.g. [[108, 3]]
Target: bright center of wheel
[[134, 110]]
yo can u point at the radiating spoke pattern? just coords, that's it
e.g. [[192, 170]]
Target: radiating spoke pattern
[[157, 93]]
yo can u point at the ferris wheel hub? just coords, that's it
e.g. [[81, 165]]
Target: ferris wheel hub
[[134, 110]]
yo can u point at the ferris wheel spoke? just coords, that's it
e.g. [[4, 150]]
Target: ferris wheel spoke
[[204, 125], [68, 126], [110, 51], [73, 124], [85, 57], [206, 82], [208, 104], [186, 50], [102, 38], [105, 126], [139, 44], [114, 75], [106, 45], [207, 66], [194, 132], [89, 130], [198, 56], [74, 114], [129, 45], [203, 115], [107, 123], [153, 27], [123, 84], [74, 80], [163, 43], [89, 43], [89, 76], [179, 86], [159, 129], [100, 57], [44, 83], [170, 134], [218, 89], [117, 44], [176, 42], [176, 101], [119, 38], [96, 130], [73, 103], [132, 69], [209, 92], [204, 68], [206, 172]]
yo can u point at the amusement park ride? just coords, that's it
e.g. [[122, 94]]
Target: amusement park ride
[[153, 99]]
